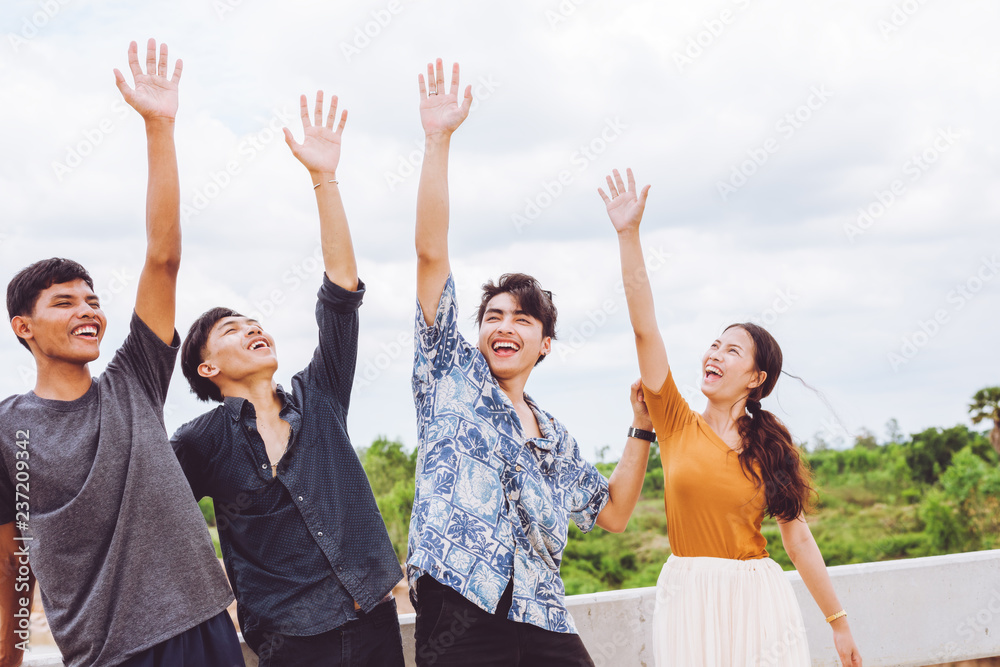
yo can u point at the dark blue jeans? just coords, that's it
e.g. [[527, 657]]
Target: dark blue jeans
[[212, 644], [453, 632], [371, 640]]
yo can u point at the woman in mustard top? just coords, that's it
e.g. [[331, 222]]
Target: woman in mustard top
[[721, 602]]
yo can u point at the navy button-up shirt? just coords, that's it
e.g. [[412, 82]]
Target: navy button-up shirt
[[300, 547]]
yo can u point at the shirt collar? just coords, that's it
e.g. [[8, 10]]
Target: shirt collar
[[235, 405], [546, 424]]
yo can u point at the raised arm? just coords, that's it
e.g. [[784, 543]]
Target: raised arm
[[319, 152], [626, 481], [801, 547], [155, 98], [625, 208], [12, 592], [440, 116]]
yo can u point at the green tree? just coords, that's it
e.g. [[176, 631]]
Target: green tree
[[985, 406], [391, 470], [865, 439], [929, 452], [386, 463]]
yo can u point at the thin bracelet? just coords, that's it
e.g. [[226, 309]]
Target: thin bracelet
[[833, 617], [335, 182]]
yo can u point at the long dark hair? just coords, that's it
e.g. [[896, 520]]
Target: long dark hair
[[769, 456]]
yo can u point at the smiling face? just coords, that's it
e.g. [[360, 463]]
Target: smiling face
[[66, 323], [728, 368], [510, 339], [237, 349]]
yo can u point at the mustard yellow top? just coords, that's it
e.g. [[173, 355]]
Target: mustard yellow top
[[713, 509]]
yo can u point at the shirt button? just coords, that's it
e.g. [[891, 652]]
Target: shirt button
[[517, 468], [319, 534], [300, 498], [263, 466]]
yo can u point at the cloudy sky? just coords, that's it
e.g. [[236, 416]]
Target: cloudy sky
[[828, 170]]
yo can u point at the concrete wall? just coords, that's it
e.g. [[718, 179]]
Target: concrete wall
[[905, 613]]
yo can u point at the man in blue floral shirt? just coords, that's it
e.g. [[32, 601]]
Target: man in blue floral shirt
[[498, 478]]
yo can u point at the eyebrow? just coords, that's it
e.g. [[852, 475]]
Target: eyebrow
[[89, 297], [235, 320], [500, 311]]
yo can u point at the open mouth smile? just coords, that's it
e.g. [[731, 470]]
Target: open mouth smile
[[88, 331], [712, 373], [505, 348], [258, 343]]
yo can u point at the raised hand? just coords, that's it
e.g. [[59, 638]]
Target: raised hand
[[320, 148], [625, 207], [154, 95], [640, 413], [440, 112]]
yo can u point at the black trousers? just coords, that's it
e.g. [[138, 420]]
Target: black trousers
[[453, 632], [371, 640], [211, 644]]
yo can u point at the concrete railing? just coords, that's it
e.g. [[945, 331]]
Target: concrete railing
[[904, 613]]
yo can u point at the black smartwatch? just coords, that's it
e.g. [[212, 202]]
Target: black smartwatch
[[641, 434]]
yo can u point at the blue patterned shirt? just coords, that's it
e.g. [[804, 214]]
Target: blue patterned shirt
[[491, 504]]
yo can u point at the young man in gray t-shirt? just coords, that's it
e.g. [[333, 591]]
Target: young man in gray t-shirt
[[90, 491]]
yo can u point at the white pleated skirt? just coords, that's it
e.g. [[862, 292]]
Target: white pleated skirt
[[719, 612]]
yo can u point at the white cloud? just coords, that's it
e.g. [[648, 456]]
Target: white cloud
[[554, 88]]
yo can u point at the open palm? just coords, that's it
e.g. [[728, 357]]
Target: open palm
[[440, 111], [154, 95], [625, 206], [320, 148]]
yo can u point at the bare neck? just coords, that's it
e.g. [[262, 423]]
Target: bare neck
[[514, 388], [721, 418], [61, 380]]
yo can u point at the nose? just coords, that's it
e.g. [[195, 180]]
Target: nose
[[87, 310], [254, 330]]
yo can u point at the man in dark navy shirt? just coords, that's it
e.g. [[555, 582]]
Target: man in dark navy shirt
[[304, 545]]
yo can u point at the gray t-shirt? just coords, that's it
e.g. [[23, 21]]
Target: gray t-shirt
[[119, 548]]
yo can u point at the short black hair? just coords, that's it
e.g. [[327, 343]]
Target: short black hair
[[531, 298], [193, 352], [25, 287]]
